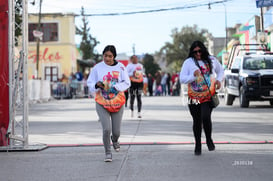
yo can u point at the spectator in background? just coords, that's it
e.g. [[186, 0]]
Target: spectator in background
[[145, 84], [73, 86], [59, 88], [65, 89], [174, 75], [79, 76], [163, 83], [158, 88], [55, 89], [64, 79], [173, 79], [150, 84], [168, 83], [85, 87], [176, 87]]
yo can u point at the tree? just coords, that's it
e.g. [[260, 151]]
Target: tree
[[150, 65], [88, 42], [177, 51], [18, 20]]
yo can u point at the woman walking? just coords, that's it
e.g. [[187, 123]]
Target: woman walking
[[199, 65], [108, 80]]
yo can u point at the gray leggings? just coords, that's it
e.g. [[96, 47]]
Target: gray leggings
[[111, 122]]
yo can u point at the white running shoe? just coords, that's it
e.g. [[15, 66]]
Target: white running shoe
[[139, 115], [132, 114]]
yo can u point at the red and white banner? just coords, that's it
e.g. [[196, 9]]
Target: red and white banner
[[4, 72]]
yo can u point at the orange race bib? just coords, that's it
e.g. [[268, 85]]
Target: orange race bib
[[137, 77], [112, 105], [109, 97]]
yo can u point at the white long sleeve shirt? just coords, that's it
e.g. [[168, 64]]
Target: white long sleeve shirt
[[115, 80], [135, 72], [115, 76], [197, 87]]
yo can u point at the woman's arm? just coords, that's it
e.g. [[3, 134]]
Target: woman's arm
[[188, 72], [92, 80], [218, 69]]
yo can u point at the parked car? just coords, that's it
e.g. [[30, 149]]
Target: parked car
[[250, 77]]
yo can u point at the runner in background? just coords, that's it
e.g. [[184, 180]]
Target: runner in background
[[135, 72]]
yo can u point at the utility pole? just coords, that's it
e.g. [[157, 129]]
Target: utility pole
[[38, 41], [262, 20], [226, 39], [134, 49]]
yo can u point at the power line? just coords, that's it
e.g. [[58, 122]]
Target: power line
[[158, 10]]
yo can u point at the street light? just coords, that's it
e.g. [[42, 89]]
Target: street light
[[226, 38]]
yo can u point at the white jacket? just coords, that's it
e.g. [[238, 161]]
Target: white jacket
[[102, 71], [189, 67], [197, 86]]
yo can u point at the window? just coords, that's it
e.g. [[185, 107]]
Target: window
[[236, 64], [50, 31], [51, 73], [257, 63]]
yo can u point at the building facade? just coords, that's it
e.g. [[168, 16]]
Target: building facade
[[57, 49]]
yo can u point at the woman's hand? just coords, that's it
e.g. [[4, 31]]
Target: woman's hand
[[100, 85], [196, 73], [217, 84]]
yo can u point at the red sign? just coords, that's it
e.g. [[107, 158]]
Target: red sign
[[4, 72], [45, 56], [124, 62]]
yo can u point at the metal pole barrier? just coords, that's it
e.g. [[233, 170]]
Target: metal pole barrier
[[25, 70]]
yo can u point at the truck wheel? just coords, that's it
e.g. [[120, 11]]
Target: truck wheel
[[243, 101], [229, 98]]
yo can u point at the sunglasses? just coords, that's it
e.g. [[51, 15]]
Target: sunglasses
[[197, 51]]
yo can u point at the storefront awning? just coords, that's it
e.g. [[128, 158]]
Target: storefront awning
[[245, 27], [88, 63], [237, 35]]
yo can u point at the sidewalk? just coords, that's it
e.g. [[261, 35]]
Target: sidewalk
[[158, 147]]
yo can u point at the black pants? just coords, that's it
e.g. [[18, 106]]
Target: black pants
[[150, 88], [136, 91], [201, 114], [126, 97]]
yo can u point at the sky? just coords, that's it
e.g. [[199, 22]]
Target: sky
[[148, 32]]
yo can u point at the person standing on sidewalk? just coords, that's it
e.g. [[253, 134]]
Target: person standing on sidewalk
[[199, 95], [164, 83], [108, 80], [168, 84], [135, 71], [150, 84], [158, 88]]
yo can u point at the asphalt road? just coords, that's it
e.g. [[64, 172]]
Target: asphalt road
[[158, 147], [165, 119]]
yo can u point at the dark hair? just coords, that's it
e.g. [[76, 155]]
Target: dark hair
[[110, 48], [205, 56], [133, 56]]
